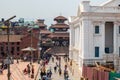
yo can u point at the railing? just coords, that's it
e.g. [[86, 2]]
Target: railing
[[105, 9], [110, 56]]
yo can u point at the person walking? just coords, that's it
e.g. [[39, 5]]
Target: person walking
[[41, 74], [32, 69], [56, 64], [65, 66], [52, 59], [55, 68], [28, 69], [66, 75], [60, 71], [50, 74], [17, 61]]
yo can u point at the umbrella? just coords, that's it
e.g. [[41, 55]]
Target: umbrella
[[29, 49], [60, 54]]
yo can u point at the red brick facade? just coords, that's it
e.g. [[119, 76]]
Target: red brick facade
[[26, 42], [16, 43]]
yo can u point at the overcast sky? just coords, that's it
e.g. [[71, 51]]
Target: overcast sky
[[41, 9]]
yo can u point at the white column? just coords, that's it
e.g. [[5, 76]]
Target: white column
[[73, 43], [103, 39], [70, 35], [70, 43], [115, 51], [73, 37], [115, 38], [80, 38], [85, 38]]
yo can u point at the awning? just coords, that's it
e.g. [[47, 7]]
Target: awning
[[29, 49]]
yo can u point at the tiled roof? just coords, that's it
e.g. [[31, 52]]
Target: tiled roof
[[45, 32], [12, 38], [59, 26], [42, 25], [58, 35], [60, 17]]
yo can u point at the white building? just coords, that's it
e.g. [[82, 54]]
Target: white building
[[95, 34]]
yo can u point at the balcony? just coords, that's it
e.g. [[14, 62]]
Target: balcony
[[110, 57]]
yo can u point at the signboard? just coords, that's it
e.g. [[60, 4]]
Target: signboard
[[7, 61]]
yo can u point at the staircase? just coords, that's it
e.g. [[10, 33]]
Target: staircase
[[60, 49]]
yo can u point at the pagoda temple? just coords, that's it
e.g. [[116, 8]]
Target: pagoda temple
[[60, 34], [43, 37]]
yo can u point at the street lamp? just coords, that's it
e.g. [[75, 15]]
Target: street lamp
[[31, 52], [39, 54], [7, 23]]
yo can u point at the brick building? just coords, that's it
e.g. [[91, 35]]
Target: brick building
[[16, 43]]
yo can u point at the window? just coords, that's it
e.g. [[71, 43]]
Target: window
[[18, 53], [18, 49], [107, 50], [6, 48], [18, 43], [96, 51], [12, 49], [12, 43], [119, 29], [119, 51], [2, 48], [6, 43], [96, 29]]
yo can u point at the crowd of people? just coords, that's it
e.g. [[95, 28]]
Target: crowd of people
[[47, 74]]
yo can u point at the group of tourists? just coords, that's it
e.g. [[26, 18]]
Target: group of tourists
[[29, 70], [58, 67], [47, 73]]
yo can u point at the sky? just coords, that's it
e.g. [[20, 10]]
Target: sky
[[41, 9]]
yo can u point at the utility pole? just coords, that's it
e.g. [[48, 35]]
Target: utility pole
[[8, 33], [7, 23], [31, 47], [8, 55], [31, 52], [39, 47]]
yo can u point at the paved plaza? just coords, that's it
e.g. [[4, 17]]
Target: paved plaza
[[17, 71], [55, 75]]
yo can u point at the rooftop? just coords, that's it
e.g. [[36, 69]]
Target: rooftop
[[60, 18], [59, 35], [12, 38], [59, 26]]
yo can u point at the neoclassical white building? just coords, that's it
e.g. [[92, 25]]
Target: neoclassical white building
[[95, 34]]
